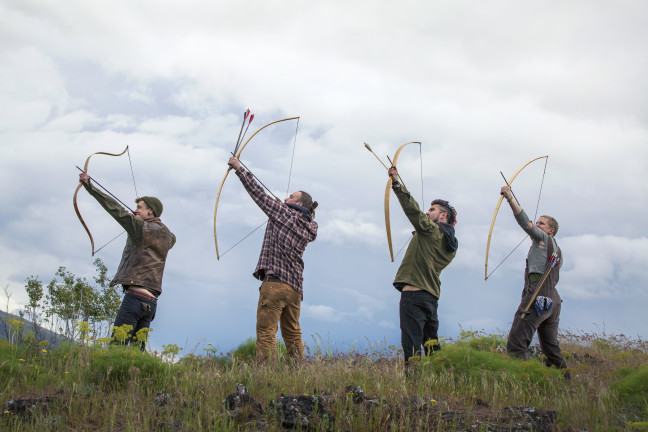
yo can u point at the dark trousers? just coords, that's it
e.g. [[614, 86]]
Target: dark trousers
[[137, 312], [419, 322], [546, 325]]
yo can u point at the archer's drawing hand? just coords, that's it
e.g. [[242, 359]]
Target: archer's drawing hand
[[234, 163]]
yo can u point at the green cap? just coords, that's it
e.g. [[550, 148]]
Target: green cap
[[154, 204]]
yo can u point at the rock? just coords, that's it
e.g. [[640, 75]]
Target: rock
[[531, 418], [301, 412], [162, 399], [355, 392], [534, 351], [28, 405], [241, 398]]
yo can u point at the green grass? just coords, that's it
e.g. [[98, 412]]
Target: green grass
[[95, 388]]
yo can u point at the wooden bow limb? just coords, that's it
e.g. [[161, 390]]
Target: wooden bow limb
[[497, 207], [76, 192], [382, 163], [109, 193], [388, 194]]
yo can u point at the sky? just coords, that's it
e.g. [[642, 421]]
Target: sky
[[485, 87]]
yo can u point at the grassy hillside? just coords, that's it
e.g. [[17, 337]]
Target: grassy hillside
[[468, 385]]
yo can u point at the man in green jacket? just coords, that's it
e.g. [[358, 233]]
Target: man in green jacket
[[432, 248]]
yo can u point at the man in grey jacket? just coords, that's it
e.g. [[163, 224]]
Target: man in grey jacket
[[142, 265], [541, 313]]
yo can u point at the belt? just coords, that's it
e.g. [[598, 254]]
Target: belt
[[140, 295], [271, 278]]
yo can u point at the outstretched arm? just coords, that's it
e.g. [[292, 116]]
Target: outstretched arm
[[270, 206], [515, 206], [131, 224], [521, 217], [416, 216]]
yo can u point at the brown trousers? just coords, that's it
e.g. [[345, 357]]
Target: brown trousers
[[278, 303]]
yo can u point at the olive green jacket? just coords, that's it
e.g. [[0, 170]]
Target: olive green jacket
[[431, 249]]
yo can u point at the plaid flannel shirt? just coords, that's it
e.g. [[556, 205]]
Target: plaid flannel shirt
[[286, 236]]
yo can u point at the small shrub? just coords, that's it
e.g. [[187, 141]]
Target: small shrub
[[247, 350], [481, 341], [114, 367], [469, 363], [632, 387], [170, 351], [122, 333]]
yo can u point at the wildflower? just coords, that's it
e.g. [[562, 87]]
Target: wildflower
[[67, 372], [22, 360], [433, 401], [7, 412], [44, 351]]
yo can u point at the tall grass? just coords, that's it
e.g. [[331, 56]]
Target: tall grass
[[468, 382]]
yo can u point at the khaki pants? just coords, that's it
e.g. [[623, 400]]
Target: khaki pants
[[278, 303]]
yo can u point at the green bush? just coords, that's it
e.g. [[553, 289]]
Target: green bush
[[23, 363], [247, 350], [472, 364], [632, 387], [12, 362], [115, 366], [481, 341]]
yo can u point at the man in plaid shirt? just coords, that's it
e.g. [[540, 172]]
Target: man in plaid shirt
[[290, 228]]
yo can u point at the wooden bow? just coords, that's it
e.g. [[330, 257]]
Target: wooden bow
[[238, 155], [499, 202], [76, 192], [388, 194]]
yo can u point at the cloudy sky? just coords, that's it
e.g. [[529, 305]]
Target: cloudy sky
[[485, 87]]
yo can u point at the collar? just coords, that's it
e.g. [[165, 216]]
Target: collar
[[301, 209]]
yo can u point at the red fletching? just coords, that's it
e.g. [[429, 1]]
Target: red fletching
[[247, 113], [251, 117]]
